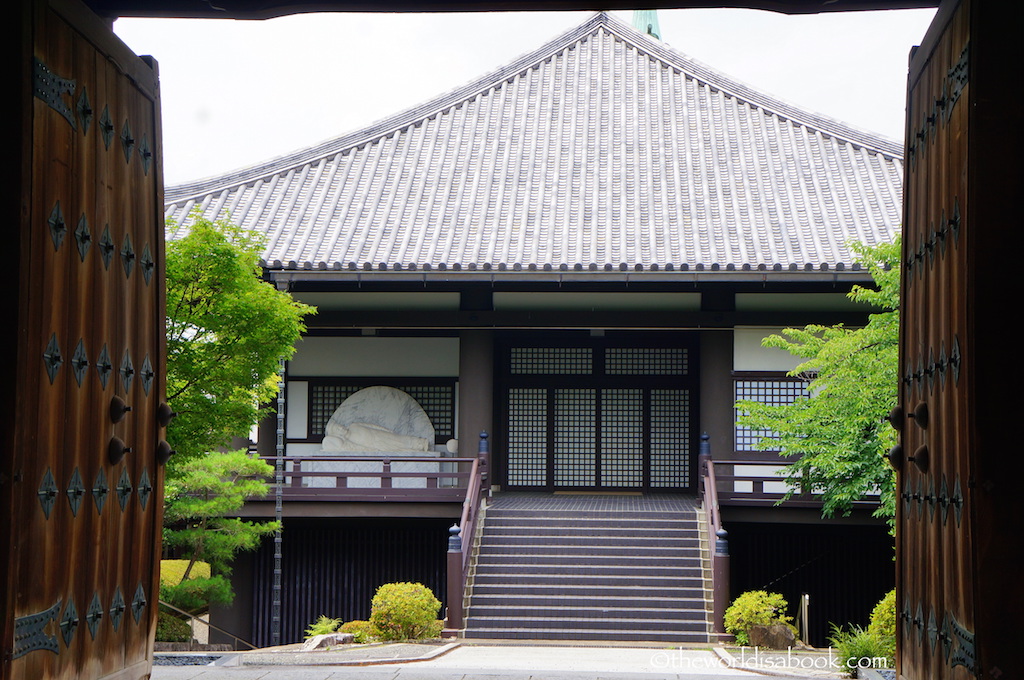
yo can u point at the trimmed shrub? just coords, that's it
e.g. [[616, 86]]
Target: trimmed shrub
[[883, 616], [859, 648], [755, 608], [404, 611], [171, 571], [169, 628], [883, 622], [322, 626], [362, 631]]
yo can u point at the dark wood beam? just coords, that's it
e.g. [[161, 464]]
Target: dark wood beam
[[348, 320], [268, 9]]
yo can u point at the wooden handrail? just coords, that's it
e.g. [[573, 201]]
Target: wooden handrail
[[467, 522], [443, 479], [376, 459], [717, 541], [768, 489], [471, 506], [709, 493], [460, 544]]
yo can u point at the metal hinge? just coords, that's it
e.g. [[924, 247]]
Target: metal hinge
[[51, 88]]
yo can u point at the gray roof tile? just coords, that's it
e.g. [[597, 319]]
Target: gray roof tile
[[603, 150]]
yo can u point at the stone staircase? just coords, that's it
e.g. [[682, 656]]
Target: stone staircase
[[554, 567]]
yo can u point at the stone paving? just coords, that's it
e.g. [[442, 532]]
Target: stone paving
[[532, 661]]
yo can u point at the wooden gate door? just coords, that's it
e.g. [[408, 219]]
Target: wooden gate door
[[959, 486], [82, 482]]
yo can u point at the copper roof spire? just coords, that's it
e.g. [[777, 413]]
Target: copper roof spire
[[646, 21]]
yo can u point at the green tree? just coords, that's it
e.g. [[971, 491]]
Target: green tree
[[227, 330], [199, 499], [836, 437]]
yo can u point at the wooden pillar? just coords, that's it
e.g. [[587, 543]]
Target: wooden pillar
[[717, 397], [476, 389], [266, 444]]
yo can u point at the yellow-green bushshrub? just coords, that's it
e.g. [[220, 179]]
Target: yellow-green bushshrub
[[755, 608], [404, 611]]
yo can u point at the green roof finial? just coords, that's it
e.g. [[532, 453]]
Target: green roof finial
[[646, 21]]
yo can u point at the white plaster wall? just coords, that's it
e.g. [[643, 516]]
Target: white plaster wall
[[749, 355], [297, 414], [775, 487], [295, 449], [376, 357], [759, 470]]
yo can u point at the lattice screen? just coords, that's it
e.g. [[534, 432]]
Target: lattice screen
[[670, 438], [595, 431], [528, 437], [551, 361], [622, 437], [782, 391], [437, 400], [575, 437], [646, 361]]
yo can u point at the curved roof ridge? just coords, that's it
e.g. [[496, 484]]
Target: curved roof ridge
[[389, 124], [671, 57], [749, 93]]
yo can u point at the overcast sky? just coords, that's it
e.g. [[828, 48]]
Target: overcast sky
[[237, 93]]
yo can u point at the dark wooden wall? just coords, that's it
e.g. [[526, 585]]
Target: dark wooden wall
[[846, 569], [333, 568], [83, 524]]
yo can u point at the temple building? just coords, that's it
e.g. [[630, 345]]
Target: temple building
[[579, 254]]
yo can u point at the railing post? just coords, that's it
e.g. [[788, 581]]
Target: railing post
[[484, 453], [385, 479], [703, 460], [720, 568], [455, 586]]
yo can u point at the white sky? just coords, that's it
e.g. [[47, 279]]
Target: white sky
[[237, 93]]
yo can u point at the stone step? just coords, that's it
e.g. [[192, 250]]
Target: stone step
[[592, 580], [675, 532], [587, 613], [626, 635], [682, 598], [593, 622], [639, 562], [590, 549], [652, 591], [593, 546], [560, 573], [625, 518], [524, 570], [496, 518]]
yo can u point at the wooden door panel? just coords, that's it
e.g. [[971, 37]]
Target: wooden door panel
[[935, 563], [87, 510]]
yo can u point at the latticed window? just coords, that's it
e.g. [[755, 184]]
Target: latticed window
[[647, 361], [773, 391], [528, 436], [670, 426], [551, 360], [438, 401], [613, 417]]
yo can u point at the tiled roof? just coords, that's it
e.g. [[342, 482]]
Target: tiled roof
[[602, 150]]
